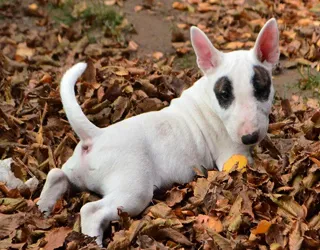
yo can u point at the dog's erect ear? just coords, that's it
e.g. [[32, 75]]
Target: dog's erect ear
[[208, 57], [266, 47]]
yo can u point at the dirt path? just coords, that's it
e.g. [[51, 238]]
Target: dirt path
[[153, 28]]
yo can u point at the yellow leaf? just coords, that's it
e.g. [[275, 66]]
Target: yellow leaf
[[275, 246], [122, 72], [262, 227], [241, 160], [33, 6]]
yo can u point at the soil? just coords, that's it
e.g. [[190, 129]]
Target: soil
[[286, 84]]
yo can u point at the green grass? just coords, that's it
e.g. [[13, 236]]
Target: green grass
[[309, 80], [94, 13], [186, 61]]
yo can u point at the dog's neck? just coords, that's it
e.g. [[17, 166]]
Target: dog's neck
[[202, 119]]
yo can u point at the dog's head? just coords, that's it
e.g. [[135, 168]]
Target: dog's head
[[238, 84]]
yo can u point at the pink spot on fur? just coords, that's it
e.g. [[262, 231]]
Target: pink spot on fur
[[246, 129], [85, 149]]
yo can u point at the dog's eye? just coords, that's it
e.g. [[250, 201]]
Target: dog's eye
[[225, 94]]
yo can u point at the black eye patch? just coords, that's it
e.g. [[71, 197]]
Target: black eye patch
[[224, 92], [261, 83]]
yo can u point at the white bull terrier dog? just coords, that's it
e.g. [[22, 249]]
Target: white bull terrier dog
[[222, 114]]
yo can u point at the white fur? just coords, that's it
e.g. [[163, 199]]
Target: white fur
[[128, 160]]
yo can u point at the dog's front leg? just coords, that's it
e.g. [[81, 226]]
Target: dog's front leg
[[56, 185]]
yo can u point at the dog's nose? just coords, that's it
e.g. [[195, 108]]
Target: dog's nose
[[250, 138]]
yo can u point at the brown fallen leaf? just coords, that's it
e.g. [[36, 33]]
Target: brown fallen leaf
[[221, 241], [161, 210], [286, 107], [110, 2], [179, 6], [234, 45], [138, 8], [174, 235], [23, 51], [133, 46], [157, 55], [175, 196], [46, 78], [90, 72], [9, 222], [296, 236], [119, 105], [56, 237], [204, 222], [122, 72]]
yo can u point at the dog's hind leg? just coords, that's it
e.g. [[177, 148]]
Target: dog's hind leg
[[56, 185], [96, 216]]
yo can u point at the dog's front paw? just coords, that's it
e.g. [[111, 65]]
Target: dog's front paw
[[45, 206]]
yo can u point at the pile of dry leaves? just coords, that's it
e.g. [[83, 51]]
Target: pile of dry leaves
[[234, 25], [274, 204]]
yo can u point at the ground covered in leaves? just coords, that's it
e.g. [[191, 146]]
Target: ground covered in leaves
[[274, 204]]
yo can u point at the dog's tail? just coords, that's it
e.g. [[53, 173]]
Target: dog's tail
[[79, 122]]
